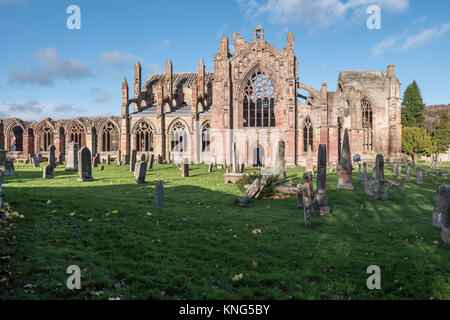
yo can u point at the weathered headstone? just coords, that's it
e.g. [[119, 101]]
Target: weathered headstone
[[35, 161], [368, 183], [9, 168], [60, 158], [307, 200], [133, 160], [185, 170], [52, 156], [126, 159], [108, 159], [441, 212], [160, 159], [279, 168], [143, 157], [300, 195], [72, 157], [84, 165], [102, 168], [321, 196], [150, 163], [96, 160], [253, 190], [159, 194], [408, 174], [420, 175], [2, 157], [141, 169], [379, 188], [345, 169], [398, 171], [48, 172], [210, 168]]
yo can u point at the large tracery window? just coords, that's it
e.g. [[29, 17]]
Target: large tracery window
[[367, 124], [259, 101], [308, 135], [110, 138], [178, 139], [46, 138], [144, 137], [206, 139], [77, 134]]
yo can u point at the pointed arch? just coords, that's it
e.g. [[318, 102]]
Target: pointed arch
[[15, 132], [367, 123], [308, 135], [109, 136], [179, 135], [44, 135], [206, 137], [143, 135], [76, 132]]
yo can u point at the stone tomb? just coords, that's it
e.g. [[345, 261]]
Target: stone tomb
[[84, 165]]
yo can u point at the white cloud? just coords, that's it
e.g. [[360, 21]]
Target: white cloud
[[35, 110], [100, 95], [318, 14], [410, 41], [48, 67], [117, 60]]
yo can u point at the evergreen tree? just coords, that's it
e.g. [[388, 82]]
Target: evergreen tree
[[442, 133], [417, 140], [413, 106]]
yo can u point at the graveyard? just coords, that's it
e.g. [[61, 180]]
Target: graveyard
[[200, 245]]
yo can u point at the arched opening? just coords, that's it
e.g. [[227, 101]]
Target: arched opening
[[16, 141], [367, 124], [77, 134], [206, 138], [45, 137], [144, 137], [178, 138], [110, 137], [259, 101], [308, 134]]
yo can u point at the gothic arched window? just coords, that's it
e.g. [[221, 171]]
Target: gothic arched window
[[110, 137], [206, 139], [144, 137], [179, 137], [259, 101], [308, 135], [46, 137], [367, 124], [77, 134]]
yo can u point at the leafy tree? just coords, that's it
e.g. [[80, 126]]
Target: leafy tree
[[413, 106], [417, 140], [442, 133]]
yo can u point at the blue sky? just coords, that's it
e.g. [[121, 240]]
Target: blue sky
[[47, 70]]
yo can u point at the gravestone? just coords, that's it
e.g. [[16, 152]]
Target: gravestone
[[307, 200], [159, 194], [1, 187], [321, 196], [300, 195], [35, 161], [48, 172], [60, 158], [160, 159], [398, 171], [102, 168], [279, 168], [150, 163], [2, 157], [420, 175], [185, 170], [210, 168], [72, 157], [379, 188], [143, 157], [84, 165], [119, 157], [141, 169], [9, 168], [96, 160], [408, 174], [309, 160], [126, 159], [368, 183], [133, 160], [345, 169], [441, 207], [242, 169], [52, 156], [108, 159]]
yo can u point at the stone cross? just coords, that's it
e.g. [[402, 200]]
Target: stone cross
[[72, 157], [48, 172], [150, 163], [345, 169], [185, 170], [441, 212], [159, 194], [141, 169], [321, 196], [379, 188], [84, 165], [420, 175], [133, 160], [52, 156]]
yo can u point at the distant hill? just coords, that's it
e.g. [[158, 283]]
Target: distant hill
[[432, 114]]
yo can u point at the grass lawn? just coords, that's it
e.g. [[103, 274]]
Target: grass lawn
[[196, 244]]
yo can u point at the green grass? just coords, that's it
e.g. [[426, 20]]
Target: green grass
[[191, 248]]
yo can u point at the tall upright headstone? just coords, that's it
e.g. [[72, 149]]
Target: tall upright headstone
[[408, 174], [279, 168], [60, 158], [133, 160], [141, 169], [72, 157], [143, 157], [420, 175], [307, 200], [9, 168], [379, 187], [398, 170], [210, 168], [321, 196], [152, 160], [52, 156], [309, 160], [48, 172], [368, 182], [2, 157], [84, 165], [159, 194], [345, 169], [35, 161], [441, 212], [96, 160], [185, 169]]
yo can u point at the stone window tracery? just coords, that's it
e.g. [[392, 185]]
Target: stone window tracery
[[144, 137], [77, 134], [308, 132], [206, 139], [367, 124], [110, 138], [46, 137], [178, 138]]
